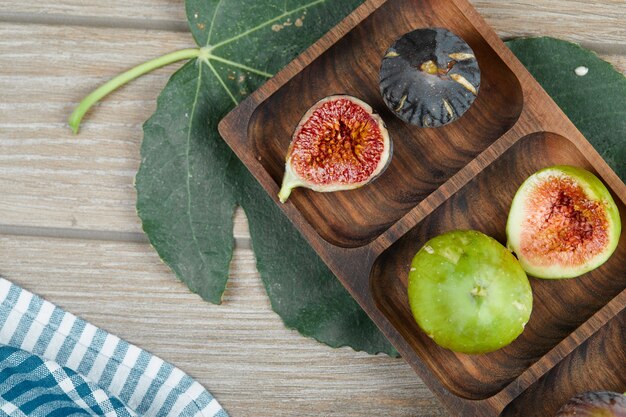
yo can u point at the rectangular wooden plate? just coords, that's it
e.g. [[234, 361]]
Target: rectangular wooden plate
[[462, 175]]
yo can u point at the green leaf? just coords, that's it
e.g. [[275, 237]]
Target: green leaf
[[305, 293], [595, 102], [185, 188], [189, 181]]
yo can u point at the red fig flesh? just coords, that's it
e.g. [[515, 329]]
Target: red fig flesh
[[563, 223], [340, 144]]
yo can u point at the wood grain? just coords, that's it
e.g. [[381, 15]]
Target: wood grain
[[419, 165], [599, 24], [156, 10], [49, 177], [497, 144], [560, 306], [240, 350], [55, 184], [566, 19], [558, 386]]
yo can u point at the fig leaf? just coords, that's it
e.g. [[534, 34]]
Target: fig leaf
[[190, 182], [594, 102]]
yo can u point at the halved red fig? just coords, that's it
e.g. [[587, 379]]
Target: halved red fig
[[563, 223], [340, 144]]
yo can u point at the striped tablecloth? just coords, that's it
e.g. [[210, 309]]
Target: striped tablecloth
[[53, 363]]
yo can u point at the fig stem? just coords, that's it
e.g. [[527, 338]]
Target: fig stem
[[284, 193], [429, 67], [290, 181], [478, 291], [123, 78]]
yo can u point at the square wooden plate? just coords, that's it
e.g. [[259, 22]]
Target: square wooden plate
[[462, 175]]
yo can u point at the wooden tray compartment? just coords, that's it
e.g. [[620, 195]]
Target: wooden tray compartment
[[422, 160], [560, 306], [439, 179], [602, 355]]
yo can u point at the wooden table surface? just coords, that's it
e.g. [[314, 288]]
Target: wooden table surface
[[69, 231]]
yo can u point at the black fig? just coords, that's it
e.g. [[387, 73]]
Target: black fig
[[429, 77], [595, 404]]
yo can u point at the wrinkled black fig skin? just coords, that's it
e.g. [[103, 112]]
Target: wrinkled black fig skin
[[417, 97], [595, 404]]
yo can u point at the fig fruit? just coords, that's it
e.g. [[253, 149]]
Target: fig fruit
[[340, 144], [595, 404], [468, 293], [563, 223], [429, 77]]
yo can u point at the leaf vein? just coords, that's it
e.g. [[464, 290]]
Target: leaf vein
[[191, 116], [208, 38], [221, 81], [241, 66], [266, 23]]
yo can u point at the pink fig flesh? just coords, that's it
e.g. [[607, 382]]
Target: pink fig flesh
[[340, 144], [563, 223]]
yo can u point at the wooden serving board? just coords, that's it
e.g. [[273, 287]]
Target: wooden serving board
[[460, 176]]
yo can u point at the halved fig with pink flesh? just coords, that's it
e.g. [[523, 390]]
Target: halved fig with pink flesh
[[563, 223], [340, 144]]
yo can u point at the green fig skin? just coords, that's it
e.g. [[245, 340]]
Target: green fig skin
[[468, 293], [525, 225], [595, 404]]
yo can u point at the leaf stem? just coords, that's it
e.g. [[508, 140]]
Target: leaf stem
[[131, 74]]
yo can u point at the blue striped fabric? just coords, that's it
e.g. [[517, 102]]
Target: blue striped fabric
[[53, 363], [32, 386]]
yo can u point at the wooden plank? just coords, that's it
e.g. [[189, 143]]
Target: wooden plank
[[239, 350], [49, 177], [167, 10], [600, 25], [599, 22]]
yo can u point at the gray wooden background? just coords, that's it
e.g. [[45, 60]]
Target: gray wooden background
[[69, 232]]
